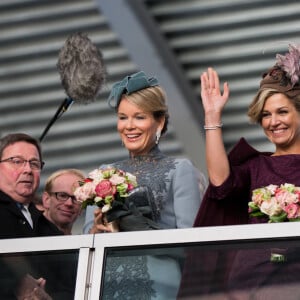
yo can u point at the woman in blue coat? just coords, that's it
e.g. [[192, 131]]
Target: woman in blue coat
[[175, 187]]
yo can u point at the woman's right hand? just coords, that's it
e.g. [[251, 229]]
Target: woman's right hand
[[212, 98], [213, 102], [100, 225]]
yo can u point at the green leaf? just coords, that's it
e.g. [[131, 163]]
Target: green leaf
[[88, 202], [280, 218], [253, 206], [257, 214], [294, 220]]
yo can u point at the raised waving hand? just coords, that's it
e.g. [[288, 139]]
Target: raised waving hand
[[213, 101], [212, 98]]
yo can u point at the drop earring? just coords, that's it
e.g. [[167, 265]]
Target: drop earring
[[157, 137]]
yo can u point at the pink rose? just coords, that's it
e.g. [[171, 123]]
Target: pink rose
[[292, 211], [130, 187], [285, 197], [105, 188], [257, 199], [116, 179], [85, 191]]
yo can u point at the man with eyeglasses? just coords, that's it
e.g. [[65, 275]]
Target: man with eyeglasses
[[61, 206], [20, 167]]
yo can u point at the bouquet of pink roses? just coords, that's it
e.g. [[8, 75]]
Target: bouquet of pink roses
[[104, 186], [116, 192], [278, 203]]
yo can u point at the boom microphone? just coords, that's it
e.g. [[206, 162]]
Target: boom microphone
[[81, 68], [82, 72]]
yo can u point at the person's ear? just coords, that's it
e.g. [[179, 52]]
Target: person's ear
[[159, 129], [161, 123], [46, 200]]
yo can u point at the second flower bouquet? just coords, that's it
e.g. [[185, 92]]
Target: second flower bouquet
[[278, 203]]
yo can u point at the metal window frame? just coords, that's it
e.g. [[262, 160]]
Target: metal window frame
[[92, 248]]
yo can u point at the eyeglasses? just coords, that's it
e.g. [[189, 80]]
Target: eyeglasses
[[19, 162], [63, 197]]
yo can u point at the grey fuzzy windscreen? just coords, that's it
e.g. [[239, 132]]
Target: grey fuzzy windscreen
[[81, 68]]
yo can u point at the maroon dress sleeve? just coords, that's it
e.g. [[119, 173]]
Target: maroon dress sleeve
[[216, 209]]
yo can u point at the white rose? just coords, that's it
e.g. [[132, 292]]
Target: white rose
[[271, 208]]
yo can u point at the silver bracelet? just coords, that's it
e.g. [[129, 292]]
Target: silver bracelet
[[213, 127]]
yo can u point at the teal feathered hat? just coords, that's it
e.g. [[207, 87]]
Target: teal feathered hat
[[130, 84]]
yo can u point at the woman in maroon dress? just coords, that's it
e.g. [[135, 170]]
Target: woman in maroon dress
[[233, 177]]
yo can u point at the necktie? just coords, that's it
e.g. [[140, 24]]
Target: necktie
[[26, 213]]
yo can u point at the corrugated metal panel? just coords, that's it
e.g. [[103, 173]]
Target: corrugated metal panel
[[239, 38]]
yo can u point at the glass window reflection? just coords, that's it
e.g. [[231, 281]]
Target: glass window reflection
[[19, 274], [261, 269]]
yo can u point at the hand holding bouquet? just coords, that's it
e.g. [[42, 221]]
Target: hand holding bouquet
[[278, 203]]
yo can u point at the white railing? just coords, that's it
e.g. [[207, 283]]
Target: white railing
[[92, 250]]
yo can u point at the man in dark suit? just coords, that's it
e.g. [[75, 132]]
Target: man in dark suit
[[20, 167]]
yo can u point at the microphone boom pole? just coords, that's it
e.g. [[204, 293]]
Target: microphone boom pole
[[61, 109]]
